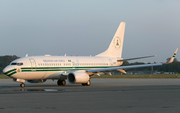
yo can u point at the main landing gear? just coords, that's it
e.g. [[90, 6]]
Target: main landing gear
[[86, 84], [61, 82]]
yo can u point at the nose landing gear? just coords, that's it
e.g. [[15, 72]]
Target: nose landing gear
[[22, 85]]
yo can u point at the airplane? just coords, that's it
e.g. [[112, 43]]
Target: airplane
[[75, 69]]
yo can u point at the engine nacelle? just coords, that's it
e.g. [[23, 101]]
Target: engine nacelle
[[37, 81], [78, 77]]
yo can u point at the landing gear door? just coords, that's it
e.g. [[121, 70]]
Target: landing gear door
[[33, 64]]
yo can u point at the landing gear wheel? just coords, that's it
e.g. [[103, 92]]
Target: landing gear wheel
[[22, 85], [61, 82], [86, 84]]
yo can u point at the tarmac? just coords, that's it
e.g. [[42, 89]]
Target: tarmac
[[104, 95]]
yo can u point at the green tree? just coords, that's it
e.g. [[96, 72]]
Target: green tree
[[6, 60], [172, 67], [125, 63]]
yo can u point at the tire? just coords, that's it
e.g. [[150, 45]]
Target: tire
[[22, 85], [59, 82], [88, 83], [63, 82]]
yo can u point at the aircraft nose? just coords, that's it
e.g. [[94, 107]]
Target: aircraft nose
[[5, 70], [9, 70]]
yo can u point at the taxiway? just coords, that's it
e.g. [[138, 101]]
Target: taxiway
[[104, 95]]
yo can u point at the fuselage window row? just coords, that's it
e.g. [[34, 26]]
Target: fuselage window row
[[66, 64]]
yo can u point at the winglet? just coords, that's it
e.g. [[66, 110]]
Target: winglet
[[172, 58]]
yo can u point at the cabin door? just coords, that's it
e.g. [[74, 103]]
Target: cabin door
[[33, 64]]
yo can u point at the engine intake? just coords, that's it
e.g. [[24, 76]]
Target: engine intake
[[78, 77]]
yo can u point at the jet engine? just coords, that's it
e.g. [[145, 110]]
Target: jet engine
[[37, 81], [78, 77]]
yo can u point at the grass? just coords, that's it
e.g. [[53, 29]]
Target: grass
[[125, 76], [4, 77]]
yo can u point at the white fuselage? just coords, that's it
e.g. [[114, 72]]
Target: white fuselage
[[51, 67]]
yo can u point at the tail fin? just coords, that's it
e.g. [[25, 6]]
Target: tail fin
[[172, 58], [116, 45]]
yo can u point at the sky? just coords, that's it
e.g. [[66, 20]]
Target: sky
[[86, 27]]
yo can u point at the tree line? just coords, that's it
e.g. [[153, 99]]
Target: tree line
[[6, 60], [173, 67]]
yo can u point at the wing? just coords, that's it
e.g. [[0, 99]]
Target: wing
[[120, 68]]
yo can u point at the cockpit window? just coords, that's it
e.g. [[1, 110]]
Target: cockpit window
[[13, 63], [18, 64]]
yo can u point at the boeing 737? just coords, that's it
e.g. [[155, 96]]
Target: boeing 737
[[75, 69]]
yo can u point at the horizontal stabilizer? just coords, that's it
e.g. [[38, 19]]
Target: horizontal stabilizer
[[136, 58]]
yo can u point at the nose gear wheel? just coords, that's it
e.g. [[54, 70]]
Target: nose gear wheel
[[22, 85]]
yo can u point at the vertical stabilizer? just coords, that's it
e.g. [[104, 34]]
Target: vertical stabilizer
[[116, 45]]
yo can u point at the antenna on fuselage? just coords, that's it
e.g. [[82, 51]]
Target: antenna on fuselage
[[26, 55]]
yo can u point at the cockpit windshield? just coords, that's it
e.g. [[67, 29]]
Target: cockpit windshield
[[15, 63]]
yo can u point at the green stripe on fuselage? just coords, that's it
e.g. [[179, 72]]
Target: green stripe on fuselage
[[12, 73], [9, 71]]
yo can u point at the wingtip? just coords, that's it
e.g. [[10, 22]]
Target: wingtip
[[172, 58], [176, 50]]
